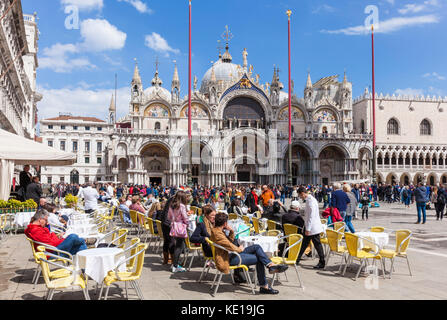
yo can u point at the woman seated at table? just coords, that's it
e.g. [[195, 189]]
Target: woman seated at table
[[252, 255], [136, 205], [38, 231], [203, 229]]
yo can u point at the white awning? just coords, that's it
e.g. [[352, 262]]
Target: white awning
[[24, 151]]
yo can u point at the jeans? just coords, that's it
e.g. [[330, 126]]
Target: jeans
[[343, 214], [253, 255], [72, 244], [349, 225], [421, 206], [283, 198]]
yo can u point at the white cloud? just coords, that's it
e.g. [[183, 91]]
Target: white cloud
[[57, 58], [82, 101], [415, 8], [388, 26], [100, 35], [139, 5], [324, 8], [434, 76], [390, 2], [158, 43], [84, 5], [409, 92]]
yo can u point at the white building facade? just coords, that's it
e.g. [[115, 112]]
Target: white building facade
[[18, 64], [410, 137], [240, 131], [87, 137]]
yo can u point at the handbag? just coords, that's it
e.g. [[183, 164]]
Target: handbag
[[178, 228]]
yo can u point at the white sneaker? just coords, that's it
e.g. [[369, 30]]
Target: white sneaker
[[178, 269]]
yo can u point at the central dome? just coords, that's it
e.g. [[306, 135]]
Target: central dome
[[225, 73]]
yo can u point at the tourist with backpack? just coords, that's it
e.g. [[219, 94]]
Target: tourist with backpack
[[365, 205], [441, 199], [406, 196]]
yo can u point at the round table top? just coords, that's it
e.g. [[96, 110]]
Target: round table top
[[97, 252]]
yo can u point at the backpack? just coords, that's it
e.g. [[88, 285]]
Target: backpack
[[405, 193], [441, 198]]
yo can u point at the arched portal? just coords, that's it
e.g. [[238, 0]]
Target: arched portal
[[244, 112], [74, 177], [123, 165], [301, 165], [405, 179], [332, 165], [156, 163]]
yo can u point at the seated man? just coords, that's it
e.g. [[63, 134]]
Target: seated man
[[125, 209], [253, 255], [37, 231]]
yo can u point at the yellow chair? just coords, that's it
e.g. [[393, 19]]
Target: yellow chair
[[119, 238], [271, 225], [190, 248], [207, 265], [355, 253], [232, 216], [127, 276], [258, 214], [293, 250], [160, 235], [121, 214], [153, 235], [323, 221], [194, 209], [131, 250], [199, 211], [273, 233], [61, 282], [377, 229], [257, 227], [334, 239], [40, 248], [403, 238], [290, 229], [134, 219], [219, 274], [246, 220]]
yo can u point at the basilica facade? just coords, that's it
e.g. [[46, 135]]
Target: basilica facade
[[239, 131]]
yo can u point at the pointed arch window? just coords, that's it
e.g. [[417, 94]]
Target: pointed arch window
[[425, 128], [393, 127]]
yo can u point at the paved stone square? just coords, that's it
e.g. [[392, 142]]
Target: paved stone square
[[427, 253]]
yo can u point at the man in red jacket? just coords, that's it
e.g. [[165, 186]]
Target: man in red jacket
[[38, 231]]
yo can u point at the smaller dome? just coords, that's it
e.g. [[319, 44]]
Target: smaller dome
[[152, 92]]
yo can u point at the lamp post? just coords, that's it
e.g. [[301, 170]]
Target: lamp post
[[289, 179]]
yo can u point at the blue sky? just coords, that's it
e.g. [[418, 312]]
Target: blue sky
[[78, 66]]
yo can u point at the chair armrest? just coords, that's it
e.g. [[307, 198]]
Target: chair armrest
[[125, 262], [372, 242]]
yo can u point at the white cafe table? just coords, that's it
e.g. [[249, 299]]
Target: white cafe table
[[22, 219], [380, 238], [268, 244], [83, 229], [98, 262]]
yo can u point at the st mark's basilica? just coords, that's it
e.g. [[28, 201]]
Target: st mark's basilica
[[240, 127]]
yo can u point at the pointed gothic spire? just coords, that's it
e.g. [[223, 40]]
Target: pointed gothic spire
[[175, 78], [345, 81], [136, 74], [309, 81], [112, 106]]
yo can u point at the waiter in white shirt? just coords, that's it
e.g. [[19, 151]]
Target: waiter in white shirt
[[90, 196], [312, 226], [110, 191]]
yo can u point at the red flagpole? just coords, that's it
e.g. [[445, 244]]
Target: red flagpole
[[374, 104], [289, 175], [290, 87], [189, 74]]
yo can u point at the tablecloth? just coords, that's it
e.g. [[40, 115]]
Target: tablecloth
[[268, 244], [22, 219], [380, 238], [83, 229], [98, 262]]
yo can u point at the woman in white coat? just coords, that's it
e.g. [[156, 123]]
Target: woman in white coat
[[312, 226]]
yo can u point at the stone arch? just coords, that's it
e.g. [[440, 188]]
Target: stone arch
[[405, 179], [418, 177], [285, 108], [157, 109], [443, 179], [199, 110], [391, 178], [156, 160], [333, 110], [244, 93], [432, 179], [123, 166], [332, 159]]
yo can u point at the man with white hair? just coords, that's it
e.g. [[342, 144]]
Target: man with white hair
[[293, 217]]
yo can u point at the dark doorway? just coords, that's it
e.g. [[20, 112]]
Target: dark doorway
[[326, 181], [243, 176], [74, 177], [156, 180]]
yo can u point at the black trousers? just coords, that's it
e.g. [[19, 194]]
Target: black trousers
[[439, 210], [178, 249], [168, 241], [365, 211], [317, 244]]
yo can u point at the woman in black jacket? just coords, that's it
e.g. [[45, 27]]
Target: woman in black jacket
[[203, 229]]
